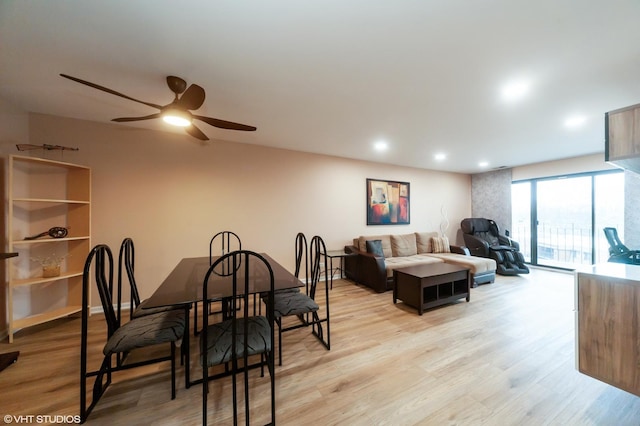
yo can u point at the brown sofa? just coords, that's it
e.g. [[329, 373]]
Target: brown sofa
[[402, 250]]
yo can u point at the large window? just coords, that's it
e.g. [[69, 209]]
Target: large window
[[521, 217], [558, 221]]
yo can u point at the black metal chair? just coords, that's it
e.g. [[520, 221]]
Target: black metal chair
[[164, 327], [220, 244], [618, 252], [240, 334], [126, 263], [482, 237], [304, 305]]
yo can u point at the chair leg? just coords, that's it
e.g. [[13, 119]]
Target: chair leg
[[272, 377], [246, 389], [195, 319], [279, 322], [185, 350], [234, 387], [173, 370], [205, 391]]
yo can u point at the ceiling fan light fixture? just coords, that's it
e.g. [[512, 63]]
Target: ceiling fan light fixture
[[178, 112], [177, 117]]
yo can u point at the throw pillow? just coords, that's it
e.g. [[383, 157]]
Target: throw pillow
[[423, 241], [440, 245], [375, 247]]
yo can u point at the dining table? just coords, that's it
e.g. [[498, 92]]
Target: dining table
[[184, 283], [184, 286]]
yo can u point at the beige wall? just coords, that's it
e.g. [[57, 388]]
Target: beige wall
[[171, 193], [586, 163]]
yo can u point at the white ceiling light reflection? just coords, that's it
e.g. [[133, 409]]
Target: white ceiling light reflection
[[483, 164], [575, 121], [515, 90], [440, 156], [381, 146]]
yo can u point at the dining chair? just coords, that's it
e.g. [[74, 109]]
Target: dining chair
[[164, 327], [220, 244], [319, 273], [126, 263], [240, 334], [304, 305], [126, 266]]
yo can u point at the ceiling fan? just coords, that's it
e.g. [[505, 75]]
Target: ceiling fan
[[178, 112]]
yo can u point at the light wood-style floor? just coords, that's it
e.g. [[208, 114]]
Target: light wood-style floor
[[504, 358]]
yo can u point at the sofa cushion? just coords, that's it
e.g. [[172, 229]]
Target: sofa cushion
[[477, 265], [403, 245], [385, 239], [423, 241], [440, 245], [401, 262], [374, 247]]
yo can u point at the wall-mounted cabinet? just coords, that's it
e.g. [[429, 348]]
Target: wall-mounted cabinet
[[622, 137], [45, 194]]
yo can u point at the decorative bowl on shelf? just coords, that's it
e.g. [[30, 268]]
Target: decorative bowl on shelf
[[50, 265], [50, 270]]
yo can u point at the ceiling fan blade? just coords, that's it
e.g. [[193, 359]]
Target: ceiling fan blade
[[224, 124], [176, 84], [193, 98], [196, 133], [146, 117], [113, 92]]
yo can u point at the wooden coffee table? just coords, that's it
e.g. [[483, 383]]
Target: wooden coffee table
[[427, 286]]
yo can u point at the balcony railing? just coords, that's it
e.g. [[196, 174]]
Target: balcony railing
[[564, 245]]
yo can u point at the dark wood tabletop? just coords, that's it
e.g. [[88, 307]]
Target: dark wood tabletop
[[430, 269], [184, 283]]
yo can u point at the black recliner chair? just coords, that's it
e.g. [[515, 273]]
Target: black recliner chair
[[482, 238], [618, 252]]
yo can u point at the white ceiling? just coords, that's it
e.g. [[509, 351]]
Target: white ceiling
[[333, 77]]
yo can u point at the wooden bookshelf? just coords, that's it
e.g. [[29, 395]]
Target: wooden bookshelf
[[45, 194]]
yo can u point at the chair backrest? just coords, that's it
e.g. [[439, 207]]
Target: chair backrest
[[302, 255], [222, 243], [485, 229], [126, 262], [102, 260], [615, 245], [318, 252]]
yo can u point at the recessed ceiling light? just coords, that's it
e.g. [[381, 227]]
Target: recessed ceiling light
[[575, 121], [440, 156], [515, 90], [381, 146], [483, 164]]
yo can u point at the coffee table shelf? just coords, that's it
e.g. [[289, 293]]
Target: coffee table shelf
[[427, 286]]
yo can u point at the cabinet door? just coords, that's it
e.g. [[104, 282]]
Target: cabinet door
[[623, 137], [609, 331]]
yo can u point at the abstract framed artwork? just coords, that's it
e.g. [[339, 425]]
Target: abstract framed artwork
[[388, 202]]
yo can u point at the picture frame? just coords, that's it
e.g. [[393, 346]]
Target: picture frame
[[388, 202]]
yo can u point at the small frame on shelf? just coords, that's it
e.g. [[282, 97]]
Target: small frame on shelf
[[388, 202]]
